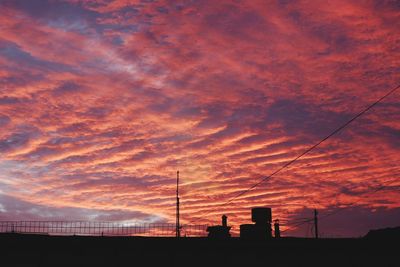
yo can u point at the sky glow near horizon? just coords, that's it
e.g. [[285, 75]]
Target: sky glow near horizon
[[102, 101]]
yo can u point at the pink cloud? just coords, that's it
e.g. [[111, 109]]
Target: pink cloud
[[101, 104]]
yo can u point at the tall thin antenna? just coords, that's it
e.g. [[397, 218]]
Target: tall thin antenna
[[316, 223], [178, 227]]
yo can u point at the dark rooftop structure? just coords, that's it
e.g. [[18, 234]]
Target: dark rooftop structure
[[220, 231], [262, 217]]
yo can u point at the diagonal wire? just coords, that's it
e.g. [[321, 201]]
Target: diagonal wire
[[311, 148], [314, 146], [355, 202], [296, 223]]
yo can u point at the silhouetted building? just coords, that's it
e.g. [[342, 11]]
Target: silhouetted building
[[254, 231], [384, 234], [220, 231], [262, 218]]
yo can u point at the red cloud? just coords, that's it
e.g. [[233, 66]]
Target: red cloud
[[101, 104]]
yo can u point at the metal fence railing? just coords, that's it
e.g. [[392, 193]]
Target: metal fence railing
[[100, 228]]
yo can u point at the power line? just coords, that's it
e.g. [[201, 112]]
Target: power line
[[314, 146], [305, 220], [297, 225], [354, 202], [310, 149]]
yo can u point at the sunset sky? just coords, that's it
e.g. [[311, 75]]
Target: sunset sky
[[102, 101]]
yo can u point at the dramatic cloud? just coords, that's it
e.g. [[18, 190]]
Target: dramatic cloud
[[102, 101]]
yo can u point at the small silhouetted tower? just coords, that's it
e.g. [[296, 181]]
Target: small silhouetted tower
[[277, 230], [178, 227], [224, 221], [316, 223]]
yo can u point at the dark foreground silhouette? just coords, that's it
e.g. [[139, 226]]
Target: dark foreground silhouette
[[40, 250]]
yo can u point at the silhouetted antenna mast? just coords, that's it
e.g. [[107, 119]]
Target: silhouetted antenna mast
[[316, 223], [178, 227]]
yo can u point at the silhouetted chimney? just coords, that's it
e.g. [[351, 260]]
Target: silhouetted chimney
[[224, 221], [277, 230]]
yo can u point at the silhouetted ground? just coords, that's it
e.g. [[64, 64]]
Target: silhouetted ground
[[35, 250], [386, 233]]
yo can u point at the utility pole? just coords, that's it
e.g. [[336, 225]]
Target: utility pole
[[178, 227], [316, 223]]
